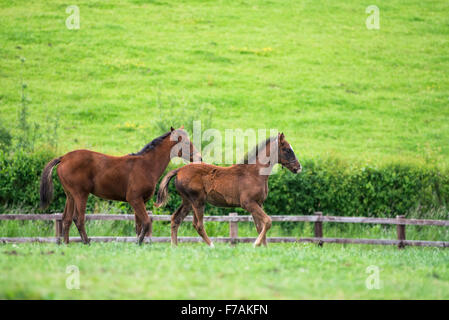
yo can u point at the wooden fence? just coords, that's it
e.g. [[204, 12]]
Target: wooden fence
[[233, 219]]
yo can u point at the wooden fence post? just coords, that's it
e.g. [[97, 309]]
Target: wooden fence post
[[58, 228], [150, 215], [401, 233], [319, 227], [233, 228]]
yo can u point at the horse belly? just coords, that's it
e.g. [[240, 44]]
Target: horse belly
[[110, 196], [219, 200], [110, 188]]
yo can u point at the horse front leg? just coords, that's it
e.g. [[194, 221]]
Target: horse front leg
[[142, 216], [138, 224], [259, 215], [259, 228]]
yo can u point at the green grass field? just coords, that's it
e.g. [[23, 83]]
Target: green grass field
[[194, 271], [308, 68], [311, 69], [283, 271]]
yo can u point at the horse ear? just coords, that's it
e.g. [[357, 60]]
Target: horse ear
[[281, 136], [172, 129]]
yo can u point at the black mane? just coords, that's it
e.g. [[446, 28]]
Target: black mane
[[251, 156], [150, 146]]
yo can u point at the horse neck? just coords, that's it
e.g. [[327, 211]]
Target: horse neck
[[159, 157], [265, 166]]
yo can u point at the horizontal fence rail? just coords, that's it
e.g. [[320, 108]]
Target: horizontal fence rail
[[245, 218], [318, 218]]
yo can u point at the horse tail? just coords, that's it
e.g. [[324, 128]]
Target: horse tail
[[162, 195], [46, 189]]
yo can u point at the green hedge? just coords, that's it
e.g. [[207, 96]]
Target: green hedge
[[335, 189], [20, 178], [324, 185]]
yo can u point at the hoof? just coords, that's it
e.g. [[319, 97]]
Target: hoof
[[140, 240], [211, 245]]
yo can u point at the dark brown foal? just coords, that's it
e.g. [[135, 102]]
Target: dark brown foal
[[131, 178], [241, 185]]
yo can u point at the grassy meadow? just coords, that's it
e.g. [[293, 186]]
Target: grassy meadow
[[194, 271], [311, 69]]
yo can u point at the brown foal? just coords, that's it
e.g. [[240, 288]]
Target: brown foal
[[131, 178], [241, 185]]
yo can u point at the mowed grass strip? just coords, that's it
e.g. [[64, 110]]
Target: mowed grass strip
[[310, 69], [193, 271]]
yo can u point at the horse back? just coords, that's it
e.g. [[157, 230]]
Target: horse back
[[221, 186], [93, 172]]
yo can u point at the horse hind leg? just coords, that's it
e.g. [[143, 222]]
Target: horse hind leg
[[198, 224], [79, 218], [67, 217], [176, 220]]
